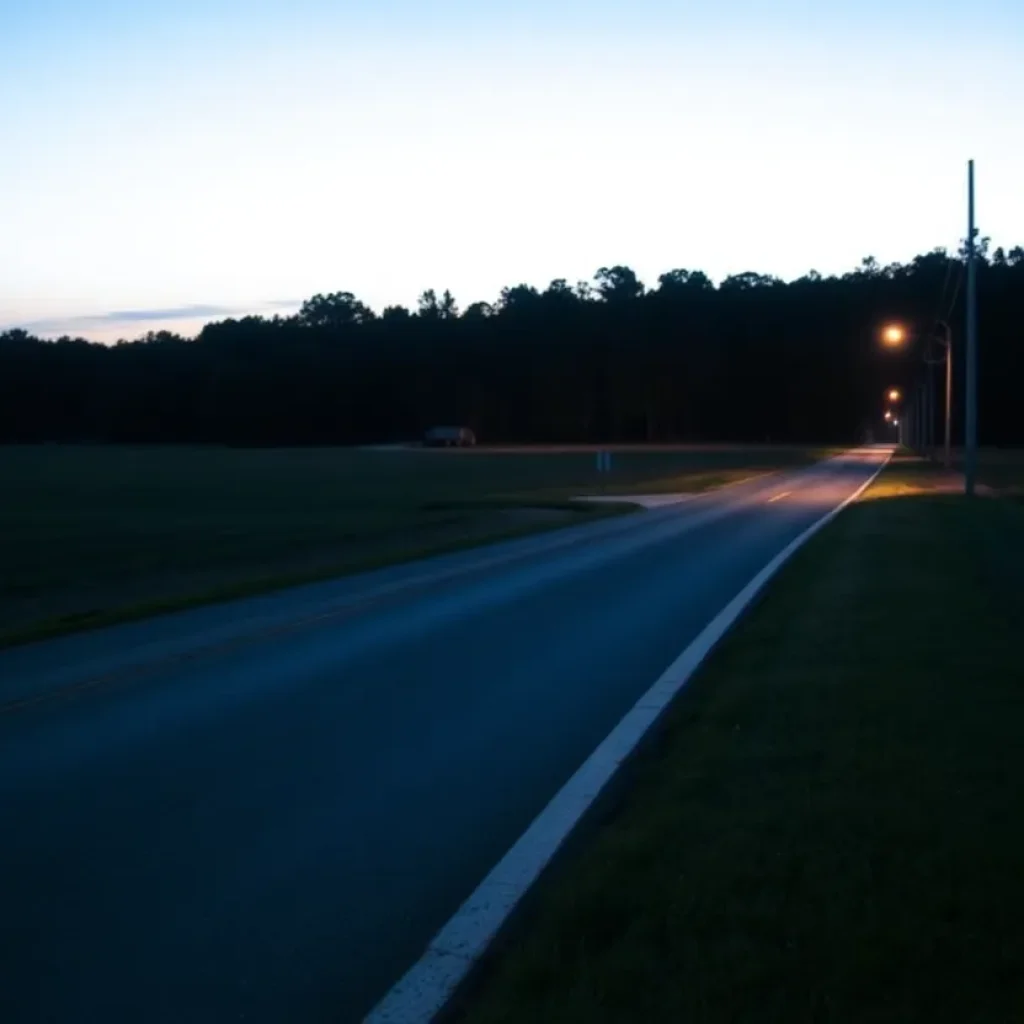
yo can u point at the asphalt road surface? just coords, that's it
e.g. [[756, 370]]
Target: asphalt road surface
[[263, 811]]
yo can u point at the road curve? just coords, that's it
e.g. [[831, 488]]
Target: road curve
[[263, 811]]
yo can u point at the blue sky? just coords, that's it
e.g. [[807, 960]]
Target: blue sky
[[168, 163]]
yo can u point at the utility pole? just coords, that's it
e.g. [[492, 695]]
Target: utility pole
[[922, 401], [923, 443], [947, 433], [922, 419], [945, 339], [929, 410], [971, 376]]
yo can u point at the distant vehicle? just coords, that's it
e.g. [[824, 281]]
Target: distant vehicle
[[449, 437]]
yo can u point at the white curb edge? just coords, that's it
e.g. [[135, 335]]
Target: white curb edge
[[424, 990]]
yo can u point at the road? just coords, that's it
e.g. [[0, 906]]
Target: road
[[263, 811]]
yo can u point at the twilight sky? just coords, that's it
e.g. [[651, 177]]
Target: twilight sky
[[168, 163]]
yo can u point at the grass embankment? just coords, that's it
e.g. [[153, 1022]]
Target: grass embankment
[[829, 827], [95, 535]]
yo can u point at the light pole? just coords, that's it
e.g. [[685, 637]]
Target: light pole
[[945, 339], [971, 378], [921, 404], [894, 335]]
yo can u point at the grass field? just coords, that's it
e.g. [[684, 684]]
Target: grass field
[[1002, 468], [90, 535], [999, 468], [829, 826]]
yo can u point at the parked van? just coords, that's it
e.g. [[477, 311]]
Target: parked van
[[449, 437]]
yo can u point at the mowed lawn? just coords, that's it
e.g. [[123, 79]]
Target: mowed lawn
[[1002, 468], [92, 534], [829, 827]]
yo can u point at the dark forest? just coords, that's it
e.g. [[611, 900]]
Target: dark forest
[[753, 359]]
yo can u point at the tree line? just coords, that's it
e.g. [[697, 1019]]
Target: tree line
[[751, 359]]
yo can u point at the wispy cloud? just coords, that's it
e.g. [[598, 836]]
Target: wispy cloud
[[172, 313], [135, 320]]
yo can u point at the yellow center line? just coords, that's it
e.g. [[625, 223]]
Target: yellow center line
[[778, 496]]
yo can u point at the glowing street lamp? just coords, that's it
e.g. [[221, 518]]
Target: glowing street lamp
[[893, 335], [888, 414], [894, 395]]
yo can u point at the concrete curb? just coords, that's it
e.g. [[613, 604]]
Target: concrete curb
[[426, 988]]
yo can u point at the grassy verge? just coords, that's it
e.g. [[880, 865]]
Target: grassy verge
[[828, 828], [90, 536], [251, 585], [1001, 469]]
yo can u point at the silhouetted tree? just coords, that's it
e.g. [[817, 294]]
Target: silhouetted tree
[[429, 308], [339, 309], [618, 284], [447, 308], [694, 280]]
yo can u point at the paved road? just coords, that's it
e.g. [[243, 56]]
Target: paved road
[[263, 811]]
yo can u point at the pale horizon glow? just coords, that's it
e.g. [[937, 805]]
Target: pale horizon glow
[[219, 158]]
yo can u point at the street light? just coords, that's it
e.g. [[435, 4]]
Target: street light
[[894, 335], [971, 346], [888, 414], [945, 339]]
